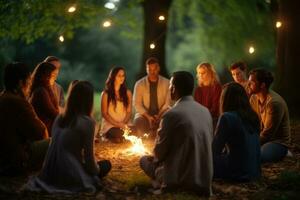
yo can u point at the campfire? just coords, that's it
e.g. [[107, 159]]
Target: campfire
[[137, 148]]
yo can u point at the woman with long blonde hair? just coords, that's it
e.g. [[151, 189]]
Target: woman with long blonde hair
[[209, 89]]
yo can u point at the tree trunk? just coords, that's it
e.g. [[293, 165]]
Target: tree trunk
[[155, 32], [288, 54]]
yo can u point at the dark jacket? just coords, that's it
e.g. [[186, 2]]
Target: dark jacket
[[19, 126], [45, 105], [241, 161]]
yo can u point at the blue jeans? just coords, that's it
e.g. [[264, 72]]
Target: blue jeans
[[273, 152]]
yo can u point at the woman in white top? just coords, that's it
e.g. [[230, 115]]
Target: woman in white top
[[116, 103], [70, 165]]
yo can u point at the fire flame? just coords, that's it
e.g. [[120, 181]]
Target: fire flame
[[137, 143]]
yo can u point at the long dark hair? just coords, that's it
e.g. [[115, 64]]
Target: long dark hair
[[110, 87], [80, 102], [41, 76], [234, 98]]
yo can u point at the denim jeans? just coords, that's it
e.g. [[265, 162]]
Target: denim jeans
[[273, 152]]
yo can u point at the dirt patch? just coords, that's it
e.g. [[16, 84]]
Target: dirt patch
[[127, 181]]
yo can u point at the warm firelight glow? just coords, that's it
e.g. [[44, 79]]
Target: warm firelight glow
[[278, 24], [72, 9], [137, 143]]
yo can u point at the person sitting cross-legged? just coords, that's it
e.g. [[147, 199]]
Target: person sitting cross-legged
[[70, 165], [208, 91], [236, 147], [275, 135], [56, 88], [42, 97], [24, 138], [151, 98], [182, 153], [116, 105]]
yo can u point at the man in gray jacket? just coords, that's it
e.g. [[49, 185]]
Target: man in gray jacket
[[151, 98], [182, 153]]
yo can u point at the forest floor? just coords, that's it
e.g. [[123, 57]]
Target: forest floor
[[127, 181]]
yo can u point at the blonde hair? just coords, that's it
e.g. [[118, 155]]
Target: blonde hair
[[214, 78]]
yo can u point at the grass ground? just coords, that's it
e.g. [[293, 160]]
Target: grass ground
[[126, 180]]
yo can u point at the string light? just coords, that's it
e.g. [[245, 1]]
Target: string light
[[152, 46], [71, 9], [251, 49], [106, 24], [61, 38], [278, 24], [161, 18], [110, 5]]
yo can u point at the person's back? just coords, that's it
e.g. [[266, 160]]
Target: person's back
[[189, 163], [243, 148], [70, 164], [63, 167], [21, 130], [18, 127], [236, 145], [182, 154]]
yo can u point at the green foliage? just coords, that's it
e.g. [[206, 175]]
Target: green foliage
[[88, 52], [30, 20], [220, 32]]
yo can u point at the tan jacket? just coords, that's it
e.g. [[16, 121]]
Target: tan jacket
[[274, 117], [141, 95]]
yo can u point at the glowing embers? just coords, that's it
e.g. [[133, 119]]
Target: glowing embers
[[137, 148]]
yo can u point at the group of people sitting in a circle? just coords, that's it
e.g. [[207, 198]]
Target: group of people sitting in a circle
[[212, 131]]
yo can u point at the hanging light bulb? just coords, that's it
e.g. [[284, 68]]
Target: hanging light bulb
[[278, 24], [106, 24], [71, 9], [61, 38], [251, 49], [110, 5], [152, 46], [161, 18]]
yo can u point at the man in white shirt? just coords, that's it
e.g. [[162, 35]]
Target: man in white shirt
[[151, 98]]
